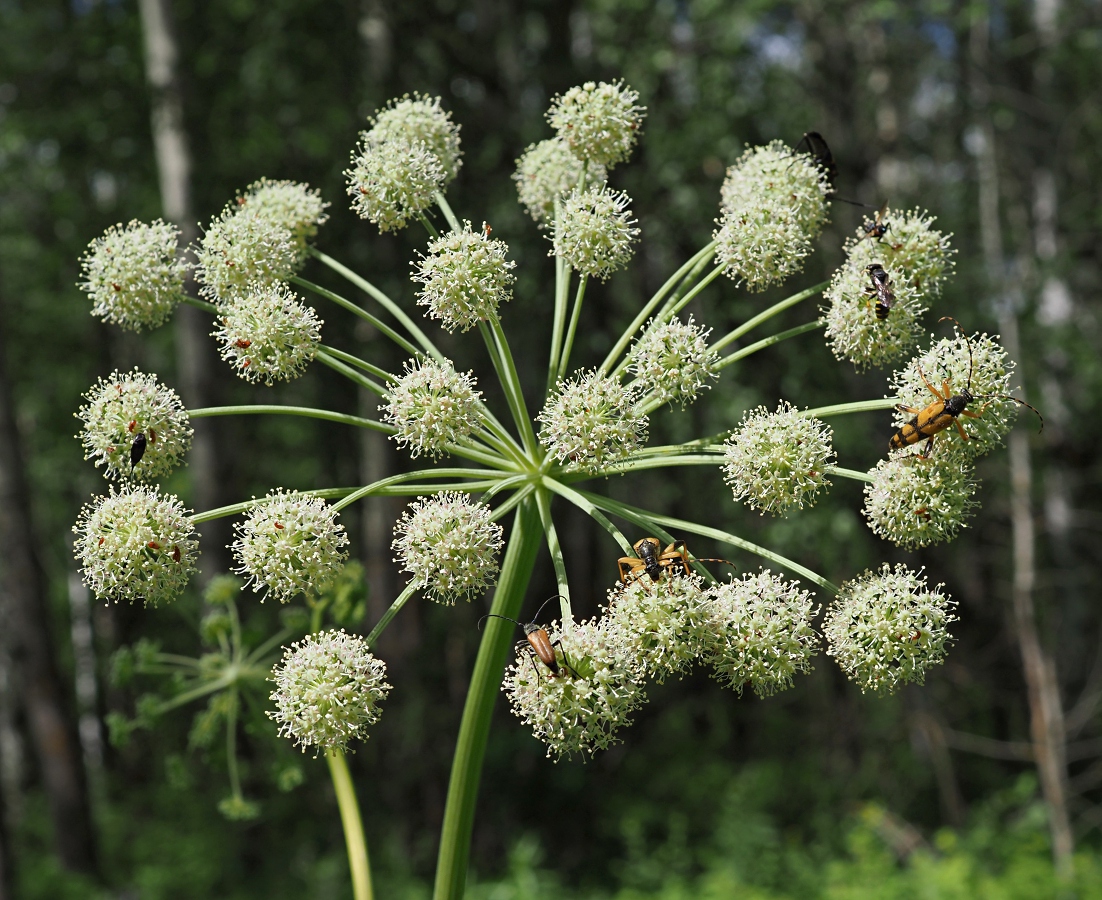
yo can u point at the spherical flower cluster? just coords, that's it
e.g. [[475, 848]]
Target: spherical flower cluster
[[393, 181], [288, 204], [580, 710], [913, 501], [243, 249], [595, 232], [420, 120], [952, 360], [887, 627], [853, 330], [777, 460], [593, 421], [761, 632], [773, 205], [127, 412], [290, 544], [918, 255], [267, 334], [133, 274], [673, 361], [432, 406], [665, 622], [135, 544], [546, 172], [465, 276], [598, 122], [450, 545], [328, 688]]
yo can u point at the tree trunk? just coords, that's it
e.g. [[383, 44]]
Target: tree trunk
[[25, 606], [195, 353]]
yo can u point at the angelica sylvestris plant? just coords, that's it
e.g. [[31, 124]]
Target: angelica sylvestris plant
[[487, 506]]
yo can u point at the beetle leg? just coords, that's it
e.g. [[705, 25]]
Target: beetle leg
[[933, 390], [960, 428], [907, 409], [628, 566], [925, 454]]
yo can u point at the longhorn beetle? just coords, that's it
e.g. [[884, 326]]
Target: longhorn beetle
[[946, 409], [539, 644], [652, 560]]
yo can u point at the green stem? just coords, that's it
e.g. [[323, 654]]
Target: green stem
[[201, 304], [231, 748], [599, 517], [308, 412], [848, 473], [644, 517], [575, 315], [769, 342], [359, 311], [621, 345], [383, 300], [446, 209], [653, 462], [766, 315], [455, 835], [353, 827], [524, 421], [408, 591], [839, 409], [348, 372], [519, 497], [429, 227], [543, 501], [377, 486], [360, 364], [562, 290], [680, 304]]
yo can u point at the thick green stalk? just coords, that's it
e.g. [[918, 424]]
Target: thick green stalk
[[455, 835], [446, 209], [353, 827], [201, 304], [558, 324], [543, 501]]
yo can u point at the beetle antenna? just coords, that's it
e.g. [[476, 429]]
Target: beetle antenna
[[1016, 400], [969, 345], [496, 616], [536, 617]]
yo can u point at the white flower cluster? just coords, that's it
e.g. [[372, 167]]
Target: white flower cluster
[[673, 361], [432, 406]]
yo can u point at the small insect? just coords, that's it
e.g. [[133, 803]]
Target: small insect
[[876, 227], [243, 343], [653, 560], [137, 449], [486, 229], [539, 644], [946, 409], [882, 287]]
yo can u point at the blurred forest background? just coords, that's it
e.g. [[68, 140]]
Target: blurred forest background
[[984, 782]]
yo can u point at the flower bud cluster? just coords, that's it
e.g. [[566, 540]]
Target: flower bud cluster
[[290, 544], [979, 364], [774, 461], [328, 688], [134, 275], [432, 406], [600, 123], [289, 205], [121, 408], [886, 628], [595, 232], [450, 545], [592, 420], [914, 501], [136, 544], [773, 205], [243, 249], [267, 335], [917, 258], [410, 152], [546, 172], [673, 361], [466, 277]]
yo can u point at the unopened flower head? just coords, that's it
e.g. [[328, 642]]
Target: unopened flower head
[[773, 205], [432, 406], [420, 120], [133, 274], [135, 427], [392, 181], [450, 545], [328, 688], [917, 254], [913, 501], [600, 123], [465, 276], [664, 622], [546, 172], [952, 360], [243, 249], [594, 231], [267, 334], [761, 632], [580, 710], [853, 330], [778, 460], [886, 628], [136, 544], [290, 544], [673, 361], [593, 421], [290, 205]]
